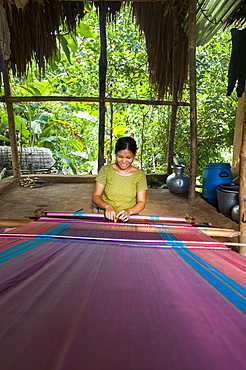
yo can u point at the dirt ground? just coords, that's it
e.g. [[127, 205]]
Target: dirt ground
[[20, 203]]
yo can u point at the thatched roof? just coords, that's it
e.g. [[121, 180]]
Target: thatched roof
[[35, 28], [213, 16]]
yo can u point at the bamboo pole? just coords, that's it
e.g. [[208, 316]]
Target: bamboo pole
[[242, 186], [193, 109], [174, 90], [225, 233], [102, 82], [242, 247], [89, 99], [11, 122], [13, 222]]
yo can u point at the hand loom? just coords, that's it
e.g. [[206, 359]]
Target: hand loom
[[79, 292]]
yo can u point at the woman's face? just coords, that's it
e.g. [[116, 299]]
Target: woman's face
[[124, 159]]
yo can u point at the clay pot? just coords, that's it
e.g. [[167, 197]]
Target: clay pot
[[178, 182]]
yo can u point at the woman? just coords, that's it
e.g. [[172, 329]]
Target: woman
[[120, 188]]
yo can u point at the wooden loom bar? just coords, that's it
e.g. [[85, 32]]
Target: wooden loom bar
[[13, 222], [224, 233], [242, 247], [90, 99], [101, 216]]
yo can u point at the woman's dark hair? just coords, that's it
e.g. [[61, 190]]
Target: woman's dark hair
[[126, 142]]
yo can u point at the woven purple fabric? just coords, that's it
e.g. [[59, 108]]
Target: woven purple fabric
[[106, 306]]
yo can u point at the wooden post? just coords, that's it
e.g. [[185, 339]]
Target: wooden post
[[11, 122], [111, 131], [242, 186], [102, 82], [193, 109], [174, 90]]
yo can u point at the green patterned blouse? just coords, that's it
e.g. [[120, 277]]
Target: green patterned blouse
[[121, 191]]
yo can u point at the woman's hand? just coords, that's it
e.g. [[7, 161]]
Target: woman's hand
[[110, 213], [124, 215]]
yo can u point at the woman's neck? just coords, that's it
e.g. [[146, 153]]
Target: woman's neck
[[127, 172]]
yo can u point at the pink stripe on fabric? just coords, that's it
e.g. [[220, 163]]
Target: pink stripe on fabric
[[235, 268]]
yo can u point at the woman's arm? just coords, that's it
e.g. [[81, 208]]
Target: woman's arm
[[139, 206], [141, 202], [97, 196], [110, 212]]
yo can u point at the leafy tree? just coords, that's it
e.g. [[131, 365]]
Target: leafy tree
[[70, 129], [216, 111]]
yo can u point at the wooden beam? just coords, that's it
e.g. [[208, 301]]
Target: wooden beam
[[24, 99], [193, 108]]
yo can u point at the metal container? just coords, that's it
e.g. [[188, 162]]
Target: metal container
[[178, 182], [227, 195], [235, 213]]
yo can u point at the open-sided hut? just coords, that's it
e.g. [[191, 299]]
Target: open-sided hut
[[173, 29], [88, 294]]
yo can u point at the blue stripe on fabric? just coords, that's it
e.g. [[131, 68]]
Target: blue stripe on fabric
[[58, 228], [154, 217], [228, 288], [77, 214], [166, 234], [19, 248]]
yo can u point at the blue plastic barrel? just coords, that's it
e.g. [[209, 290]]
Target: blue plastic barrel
[[214, 175]]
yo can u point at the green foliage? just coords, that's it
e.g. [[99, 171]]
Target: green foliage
[[70, 129], [216, 112], [4, 138]]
